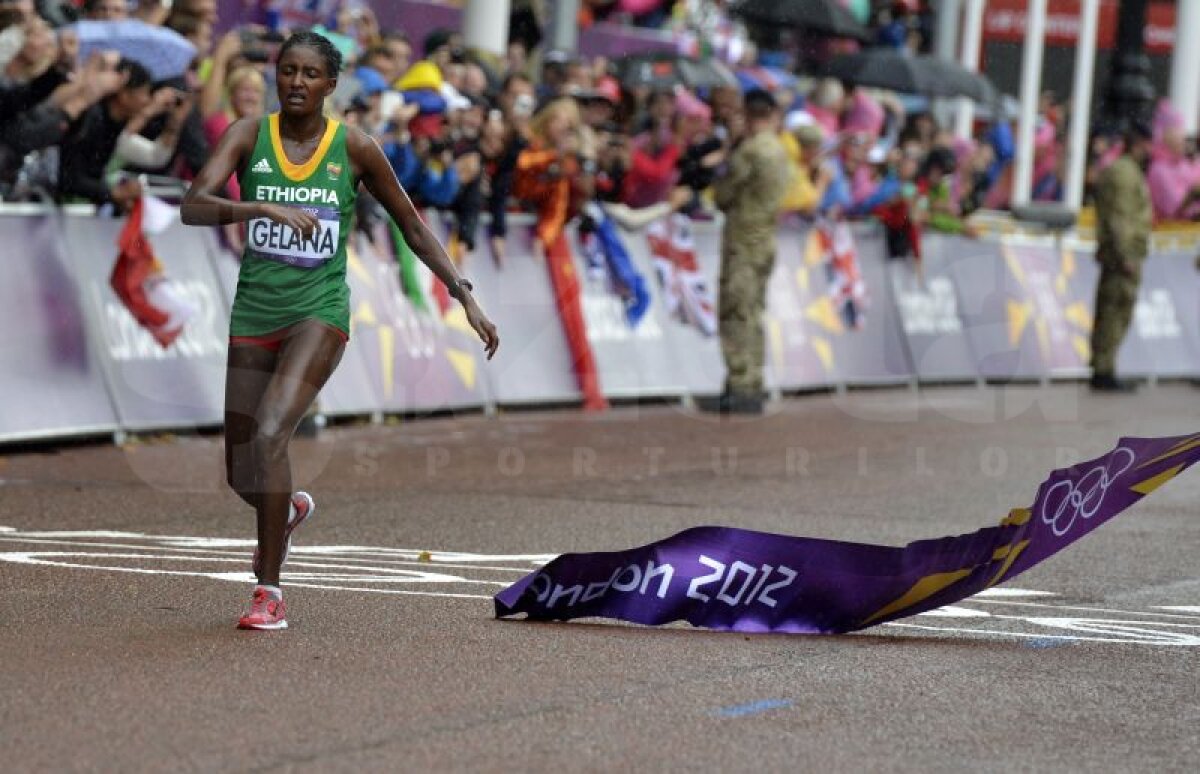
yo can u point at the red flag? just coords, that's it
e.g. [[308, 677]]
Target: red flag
[[138, 280], [567, 297]]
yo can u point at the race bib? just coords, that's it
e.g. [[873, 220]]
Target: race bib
[[276, 242]]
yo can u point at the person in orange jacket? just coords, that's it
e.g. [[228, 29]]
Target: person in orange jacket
[[554, 175]]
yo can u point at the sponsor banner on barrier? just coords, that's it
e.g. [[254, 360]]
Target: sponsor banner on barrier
[[642, 357], [799, 353], [686, 256], [533, 364], [870, 351], [1162, 339], [830, 317], [1015, 302], [1059, 290], [416, 360], [671, 348], [927, 304], [152, 387], [53, 376]]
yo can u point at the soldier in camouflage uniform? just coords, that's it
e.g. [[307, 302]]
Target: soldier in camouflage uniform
[[1123, 222], [750, 193]]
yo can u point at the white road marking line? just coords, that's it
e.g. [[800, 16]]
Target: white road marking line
[[183, 542], [954, 611], [296, 550], [1005, 591], [1162, 638], [385, 575], [1075, 607], [393, 591], [349, 568]]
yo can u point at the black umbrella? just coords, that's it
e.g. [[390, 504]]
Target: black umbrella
[[886, 68], [664, 71], [828, 17]]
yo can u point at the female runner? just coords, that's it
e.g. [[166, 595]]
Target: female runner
[[299, 173]]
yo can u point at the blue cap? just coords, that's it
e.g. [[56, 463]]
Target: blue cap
[[371, 80]]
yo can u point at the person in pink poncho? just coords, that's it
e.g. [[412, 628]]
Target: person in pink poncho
[[1174, 178]]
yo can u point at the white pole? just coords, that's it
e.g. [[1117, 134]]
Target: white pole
[[1185, 64], [485, 25], [945, 45], [945, 42], [971, 39], [1081, 101], [564, 25], [1031, 82]]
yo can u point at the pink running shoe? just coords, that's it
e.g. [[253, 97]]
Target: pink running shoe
[[266, 613], [302, 508]]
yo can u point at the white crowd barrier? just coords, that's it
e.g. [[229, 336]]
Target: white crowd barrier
[[73, 361]]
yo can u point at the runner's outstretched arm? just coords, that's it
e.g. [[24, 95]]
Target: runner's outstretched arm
[[373, 169]]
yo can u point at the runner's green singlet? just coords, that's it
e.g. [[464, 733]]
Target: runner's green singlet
[[286, 278]]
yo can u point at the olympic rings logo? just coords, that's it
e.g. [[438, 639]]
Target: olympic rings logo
[[1068, 501]]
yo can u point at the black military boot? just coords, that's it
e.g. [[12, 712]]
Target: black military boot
[[1110, 383], [733, 403]]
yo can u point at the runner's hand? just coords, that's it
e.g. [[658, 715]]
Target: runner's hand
[[301, 220], [482, 326]]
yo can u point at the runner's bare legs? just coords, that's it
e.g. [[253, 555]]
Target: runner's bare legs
[[267, 394]]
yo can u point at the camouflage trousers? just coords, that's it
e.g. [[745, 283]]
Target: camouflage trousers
[[1115, 298], [745, 268]]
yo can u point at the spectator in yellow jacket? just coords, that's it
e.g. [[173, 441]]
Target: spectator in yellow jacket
[[803, 139]]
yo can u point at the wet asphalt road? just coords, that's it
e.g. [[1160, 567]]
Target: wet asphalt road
[[122, 571]]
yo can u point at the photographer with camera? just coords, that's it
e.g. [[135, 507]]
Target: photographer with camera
[[654, 155], [46, 92], [135, 150], [93, 140], [465, 136], [703, 150], [505, 134]]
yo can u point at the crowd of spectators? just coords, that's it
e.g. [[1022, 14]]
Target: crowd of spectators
[[463, 130]]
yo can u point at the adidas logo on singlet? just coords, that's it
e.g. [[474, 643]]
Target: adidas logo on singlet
[[263, 167]]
